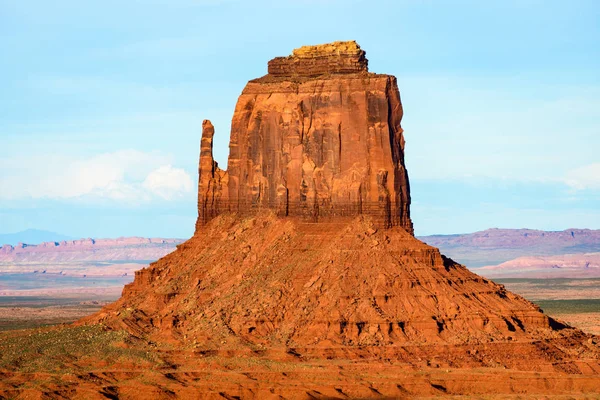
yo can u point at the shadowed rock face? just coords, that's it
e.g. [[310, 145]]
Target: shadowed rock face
[[319, 136]]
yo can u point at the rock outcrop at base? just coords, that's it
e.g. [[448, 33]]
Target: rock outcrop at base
[[318, 137], [337, 290]]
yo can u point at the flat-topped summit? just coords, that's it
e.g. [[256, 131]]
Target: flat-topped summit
[[330, 58], [349, 47]]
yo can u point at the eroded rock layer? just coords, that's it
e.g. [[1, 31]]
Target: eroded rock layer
[[342, 290], [319, 137], [331, 58]]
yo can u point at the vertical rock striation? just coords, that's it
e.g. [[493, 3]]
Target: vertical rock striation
[[212, 181], [319, 136]]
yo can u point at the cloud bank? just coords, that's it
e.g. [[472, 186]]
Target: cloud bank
[[125, 176], [586, 177]]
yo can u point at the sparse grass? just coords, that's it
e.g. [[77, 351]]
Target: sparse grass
[[58, 349], [27, 314], [553, 289], [569, 306], [554, 283], [31, 324]]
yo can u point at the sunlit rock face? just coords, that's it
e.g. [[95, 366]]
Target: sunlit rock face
[[318, 136]]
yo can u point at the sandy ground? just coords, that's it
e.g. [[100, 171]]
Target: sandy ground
[[22, 312], [29, 317], [553, 289], [587, 322]]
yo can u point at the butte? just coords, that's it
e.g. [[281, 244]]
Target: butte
[[303, 278], [304, 246]]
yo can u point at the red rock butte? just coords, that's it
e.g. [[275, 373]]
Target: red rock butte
[[342, 307], [318, 137]]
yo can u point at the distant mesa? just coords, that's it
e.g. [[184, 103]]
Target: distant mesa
[[584, 265], [496, 246], [31, 236], [123, 248], [496, 237]]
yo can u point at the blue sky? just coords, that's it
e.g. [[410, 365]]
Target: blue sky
[[102, 104]]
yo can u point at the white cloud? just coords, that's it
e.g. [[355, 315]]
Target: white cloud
[[128, 176], [168, 182], [586, 177]]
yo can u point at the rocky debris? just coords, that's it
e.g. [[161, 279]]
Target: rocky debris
[[326, 291], [325, 146]]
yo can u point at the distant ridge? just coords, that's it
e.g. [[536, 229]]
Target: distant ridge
[[86, 250], [495, 246], [32, 236], [584, 265]]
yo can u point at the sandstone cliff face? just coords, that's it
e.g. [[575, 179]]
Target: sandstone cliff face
[[319, 136]]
